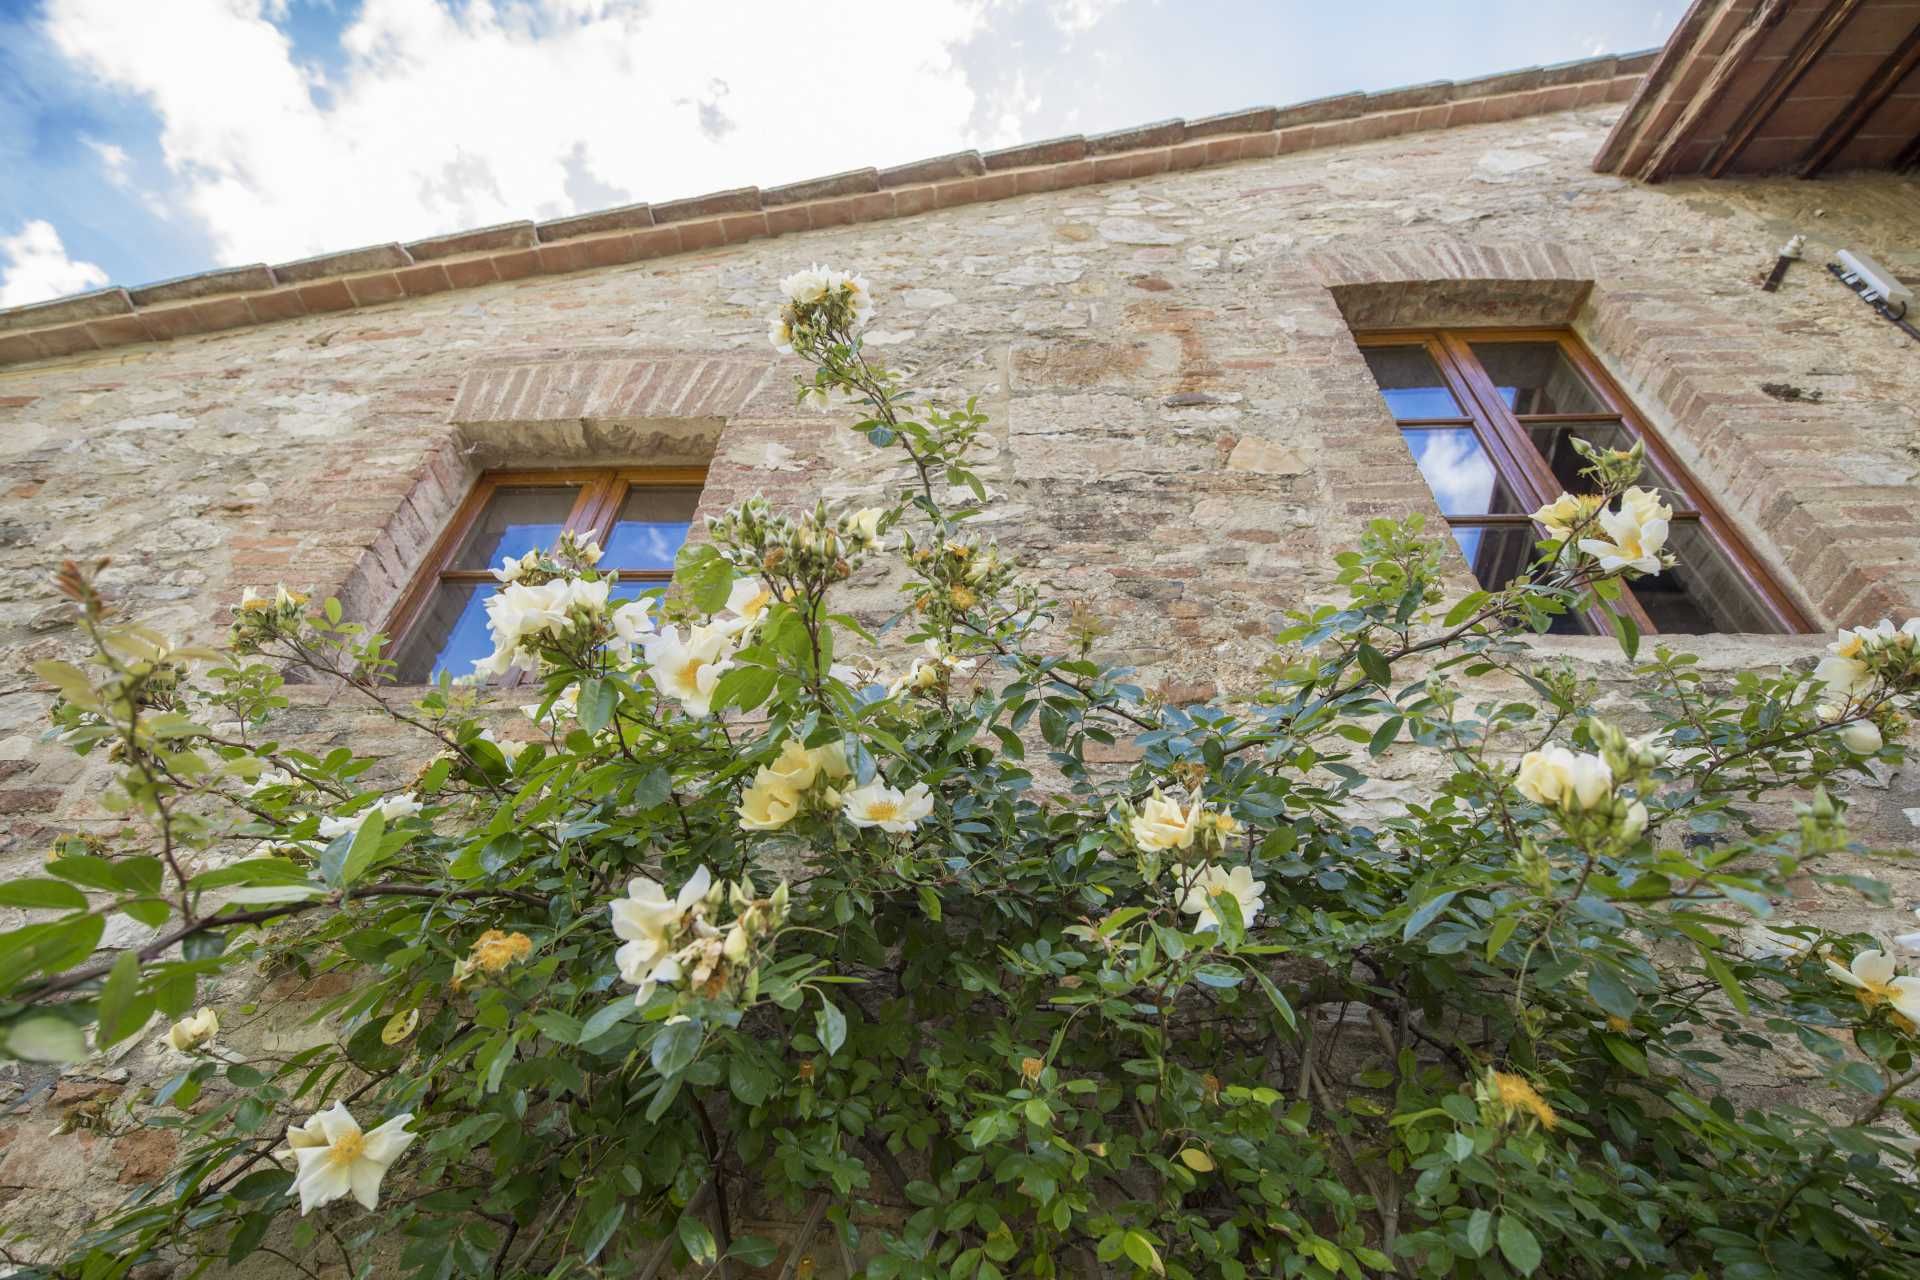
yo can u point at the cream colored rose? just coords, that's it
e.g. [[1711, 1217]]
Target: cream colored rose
[[1559, 778], [770, 803], [878, 805], [1163, 824], [1211, 883], [190, 1034], [1635, 534], [1568, 512], [345, 1160]]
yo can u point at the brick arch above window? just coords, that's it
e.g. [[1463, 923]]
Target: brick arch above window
[[547, 408], [1798, 480]]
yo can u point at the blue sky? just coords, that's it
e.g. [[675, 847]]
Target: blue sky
[[143, 139]]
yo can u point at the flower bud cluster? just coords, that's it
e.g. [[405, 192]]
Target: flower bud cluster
[[260, 617], [1580, 789], [957, 574], [1631, 760], [681, 942], [1823, 823], [804, 555]]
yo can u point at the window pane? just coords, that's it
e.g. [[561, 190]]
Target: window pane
[[1555, 443], [649, 528], [1498, 553], [517, 519], [1410, 382], [1535, 377], [450, 635], [1704, 594], [1459, 472]]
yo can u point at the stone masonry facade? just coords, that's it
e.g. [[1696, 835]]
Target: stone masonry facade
[[1184, 432]]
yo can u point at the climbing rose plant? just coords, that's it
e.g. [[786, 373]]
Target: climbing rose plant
[[756, 913]]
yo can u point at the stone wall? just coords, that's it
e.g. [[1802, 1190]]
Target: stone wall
[[1184, 433]]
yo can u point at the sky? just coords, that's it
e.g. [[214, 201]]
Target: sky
[[146, 139]]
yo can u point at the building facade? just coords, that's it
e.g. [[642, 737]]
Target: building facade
[[1182, 335]]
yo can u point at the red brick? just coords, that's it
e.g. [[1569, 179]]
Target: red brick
[[325, 295], [469, 273], [427, 278], [118, 331], [701, 233], [381, 286], [657, 242], [276, 304], [515, 264], [736, 228]]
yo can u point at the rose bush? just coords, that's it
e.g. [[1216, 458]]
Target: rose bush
[[751, 910]]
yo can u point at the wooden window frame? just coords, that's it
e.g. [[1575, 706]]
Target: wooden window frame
[[603, 490], [1521, 466]]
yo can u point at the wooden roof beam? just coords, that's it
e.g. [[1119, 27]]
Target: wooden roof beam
[[1806, 51], [1879, 87]]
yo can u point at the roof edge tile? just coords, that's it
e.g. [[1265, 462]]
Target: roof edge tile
[[375, 274]]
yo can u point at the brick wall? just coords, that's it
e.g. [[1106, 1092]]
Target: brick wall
[[1183, 429]]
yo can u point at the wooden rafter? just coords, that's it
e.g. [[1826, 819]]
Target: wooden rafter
[[1806, 51], [1739, 52], [1879, 87]]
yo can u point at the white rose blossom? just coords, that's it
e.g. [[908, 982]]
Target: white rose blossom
[[1635, 534], [1210, 882], [1570, 780], [879, 805], [688, 670], [646, 921], [1163, 823], [193, 1033], [403, 805], [335, 1157], [1871, 974]]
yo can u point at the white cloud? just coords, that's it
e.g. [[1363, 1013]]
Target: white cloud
[[36, 267], [1078, 16], [443, 118], [112, 158]]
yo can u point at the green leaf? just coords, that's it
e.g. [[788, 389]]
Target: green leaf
[[605, 1221], [70, 681], [1141, 1253], [1425, 913], [1375, 664], [1280, 1004], [606, 1019], [46, 1037], [1728, 982], [697, 1240], [745, 687], [598, 699], [42, 895], [1464, 610], [753, 1251], [1480, 1232], [675, 1047], [830, 1025], [703, 576], [118, 1002], [1517, 1245], [929, 903], [365, 847], [1629, 632], [1610, 993], [1383, 736]]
